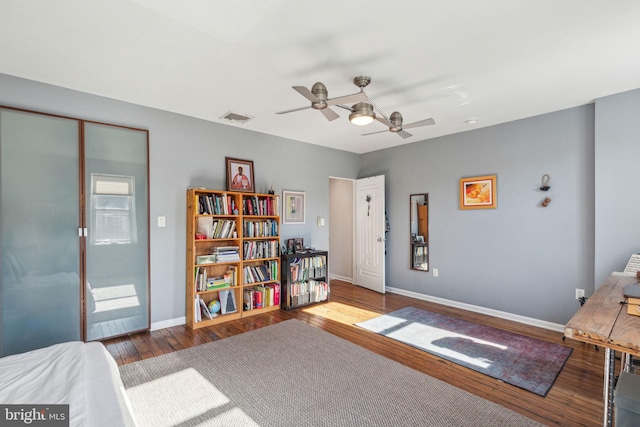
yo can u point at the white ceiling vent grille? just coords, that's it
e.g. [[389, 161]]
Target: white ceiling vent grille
[[236, 118]]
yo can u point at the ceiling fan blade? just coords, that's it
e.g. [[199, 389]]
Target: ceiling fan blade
[[348, 99], [306, 93], [373, 133], [425, 122], [295, 109], [386, 122], [329, 114], [404, 134]]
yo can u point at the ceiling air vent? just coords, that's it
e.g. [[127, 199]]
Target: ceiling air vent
[[236, 118]]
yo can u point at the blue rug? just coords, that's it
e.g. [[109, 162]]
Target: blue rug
[[522, 361]]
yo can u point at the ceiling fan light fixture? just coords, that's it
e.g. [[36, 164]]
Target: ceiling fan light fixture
[[362, 114]]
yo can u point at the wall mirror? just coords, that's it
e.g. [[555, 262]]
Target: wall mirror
[[419, 231]]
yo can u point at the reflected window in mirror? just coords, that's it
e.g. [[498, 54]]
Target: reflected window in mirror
[[419, 231]]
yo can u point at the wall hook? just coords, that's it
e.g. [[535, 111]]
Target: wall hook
[[545, 183], [546, 202]]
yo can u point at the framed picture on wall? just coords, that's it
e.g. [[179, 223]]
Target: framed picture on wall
[[478, 192], [293, 208], [240, 175]]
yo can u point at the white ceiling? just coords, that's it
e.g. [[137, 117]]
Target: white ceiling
[[452, 60]]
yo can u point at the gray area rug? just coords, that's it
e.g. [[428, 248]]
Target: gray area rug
[[293, 374]]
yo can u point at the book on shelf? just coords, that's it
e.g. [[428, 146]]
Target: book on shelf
[[247, 300], [197, 315], [227, 301], [201, 279], [257, 299], [275, 289], [217, 283], [204, 309], [227, 253], [205, 226]]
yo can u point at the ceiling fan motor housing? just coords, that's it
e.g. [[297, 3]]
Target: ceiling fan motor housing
[[396, 121], [320, 91]]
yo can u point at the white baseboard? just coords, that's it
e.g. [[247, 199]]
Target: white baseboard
[[168, 323], [477, 309], [341, 278]]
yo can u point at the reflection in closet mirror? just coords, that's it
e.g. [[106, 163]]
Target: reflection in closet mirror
[[419, 231]]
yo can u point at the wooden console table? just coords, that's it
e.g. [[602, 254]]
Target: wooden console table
[[603, 321]]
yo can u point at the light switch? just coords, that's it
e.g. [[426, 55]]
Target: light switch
[[161, 221], [320, 222]]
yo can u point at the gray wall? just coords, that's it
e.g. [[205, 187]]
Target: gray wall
[[520, 258], [617, 201], [189, 152]]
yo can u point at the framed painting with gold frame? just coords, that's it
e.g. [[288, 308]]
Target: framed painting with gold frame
[[478, 192]]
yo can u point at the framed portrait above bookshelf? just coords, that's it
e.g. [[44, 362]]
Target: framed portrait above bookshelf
[[240, 175]]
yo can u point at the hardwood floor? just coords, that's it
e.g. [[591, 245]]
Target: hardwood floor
[[574, 400]]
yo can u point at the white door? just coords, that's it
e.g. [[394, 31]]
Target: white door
[[370, 228]]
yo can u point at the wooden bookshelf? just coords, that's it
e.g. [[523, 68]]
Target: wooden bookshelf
[[233, 246]]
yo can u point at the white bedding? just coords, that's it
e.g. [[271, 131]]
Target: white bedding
[[83, 375]]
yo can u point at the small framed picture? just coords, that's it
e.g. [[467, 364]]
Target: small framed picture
[[227, 301], [478, 192], [240, 175], [295, 245], [293, 208]]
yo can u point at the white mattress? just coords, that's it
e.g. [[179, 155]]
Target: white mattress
[[83, 375]]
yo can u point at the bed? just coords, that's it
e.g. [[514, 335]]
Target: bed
[[83, 375]]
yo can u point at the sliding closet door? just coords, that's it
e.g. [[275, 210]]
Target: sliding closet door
[[117, 241], [40, 294]]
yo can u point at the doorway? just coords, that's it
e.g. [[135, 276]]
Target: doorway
[[357, 231]]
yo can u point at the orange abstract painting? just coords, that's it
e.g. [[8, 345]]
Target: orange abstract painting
[[478, 192]]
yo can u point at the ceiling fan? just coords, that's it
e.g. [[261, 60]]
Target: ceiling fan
[[362, 110], [318, 95], [395, 125]]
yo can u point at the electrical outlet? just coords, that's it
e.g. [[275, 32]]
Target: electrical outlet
[[161, 221], [435, 272], [579, 293]]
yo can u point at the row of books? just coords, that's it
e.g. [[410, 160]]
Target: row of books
[[308, 292], [203, 282], [217, 204], [266, 228], [261, 249], [254, 205], [216, 229], [302, 269], [261, 273], [261, 296]]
